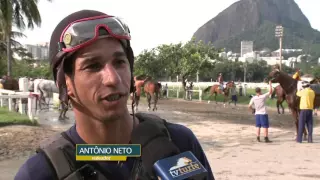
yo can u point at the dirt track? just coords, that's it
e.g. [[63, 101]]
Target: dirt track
[[227, 135]]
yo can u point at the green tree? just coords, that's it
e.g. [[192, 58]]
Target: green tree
[[148, 64], [15, 13], [316, 71]]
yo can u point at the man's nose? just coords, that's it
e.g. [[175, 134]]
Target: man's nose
[[110, 76]]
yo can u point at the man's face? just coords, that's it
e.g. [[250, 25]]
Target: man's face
[[101, 80]]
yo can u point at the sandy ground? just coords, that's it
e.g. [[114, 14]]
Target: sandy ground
[[226, 134]]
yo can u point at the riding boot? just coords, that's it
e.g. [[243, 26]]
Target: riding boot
[[266, 139], [258, 138]]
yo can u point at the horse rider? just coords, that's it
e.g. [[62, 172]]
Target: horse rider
[[297, 76], [220, 80], [96, 46], [306, 106]]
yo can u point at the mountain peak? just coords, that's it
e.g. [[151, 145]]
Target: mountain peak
[[249, 15]]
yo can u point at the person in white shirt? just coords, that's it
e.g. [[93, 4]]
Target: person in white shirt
[[261, 115]]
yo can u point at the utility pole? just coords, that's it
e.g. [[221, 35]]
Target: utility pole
[[245, 65], [279, 34], [198, 76]]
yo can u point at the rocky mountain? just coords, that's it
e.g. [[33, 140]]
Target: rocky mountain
[[256, 20]]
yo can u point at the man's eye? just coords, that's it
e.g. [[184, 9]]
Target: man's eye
[[120, 62], [95, 66]]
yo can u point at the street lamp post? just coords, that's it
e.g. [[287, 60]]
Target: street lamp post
[[245, 65], [279, 34]]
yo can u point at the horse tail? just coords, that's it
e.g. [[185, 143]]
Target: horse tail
[[273, 93], [207, 89]]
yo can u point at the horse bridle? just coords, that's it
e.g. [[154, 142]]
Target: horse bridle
[[285, 89]]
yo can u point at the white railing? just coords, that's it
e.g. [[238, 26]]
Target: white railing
[[202, 85], [177, 91], [200, 93], [10, 95]]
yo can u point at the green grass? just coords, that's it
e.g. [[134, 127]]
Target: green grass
[[14, 118], [206, 97]]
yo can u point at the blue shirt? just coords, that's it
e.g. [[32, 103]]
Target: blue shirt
[[37, 167]]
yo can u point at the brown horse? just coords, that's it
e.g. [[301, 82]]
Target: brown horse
[[152, 90], [12, 84], [138, 83], [215, 89], [281, 96], [289, 86]]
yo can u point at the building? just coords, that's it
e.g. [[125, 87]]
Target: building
[[285, 51], [38, 51], [246, 47]]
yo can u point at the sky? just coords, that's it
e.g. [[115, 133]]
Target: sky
[[151, 22]]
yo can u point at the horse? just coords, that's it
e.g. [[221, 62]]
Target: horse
[[46, 89], [138, 84], [215, 89], [281, 96], [289, 86], [152, 90], [12, 84]]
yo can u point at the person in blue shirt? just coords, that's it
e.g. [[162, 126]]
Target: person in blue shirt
[[92, 64]]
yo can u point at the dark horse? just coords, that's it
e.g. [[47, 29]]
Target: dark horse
[[215, 89], [12, 84], [289, 86], [281, 96]]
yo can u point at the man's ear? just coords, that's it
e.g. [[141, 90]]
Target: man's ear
[[70, 90]]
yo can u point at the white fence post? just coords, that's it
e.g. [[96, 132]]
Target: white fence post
[[10, 104], [18, 96], [200, 95], [20, 106], [30, 102]]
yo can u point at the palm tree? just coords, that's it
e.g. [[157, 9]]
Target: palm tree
[[18, 13], [15, 44]]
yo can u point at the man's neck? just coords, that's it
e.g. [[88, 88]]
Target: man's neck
[[93, 131]]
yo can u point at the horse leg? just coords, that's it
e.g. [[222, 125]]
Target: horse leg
[[215, 98], [278, 108], [64, 113], [296, 121], [136, 103], [282, 107], [155, 96], [149, 101], [62, 110], [15, 105]]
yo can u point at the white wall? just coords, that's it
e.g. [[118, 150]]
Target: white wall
[[206, 84]]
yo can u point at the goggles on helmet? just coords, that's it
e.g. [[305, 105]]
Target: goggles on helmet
[[82, 32]]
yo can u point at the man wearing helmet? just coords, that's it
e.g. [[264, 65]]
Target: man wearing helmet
[[92, 64], [297, 76], [307, 96]]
